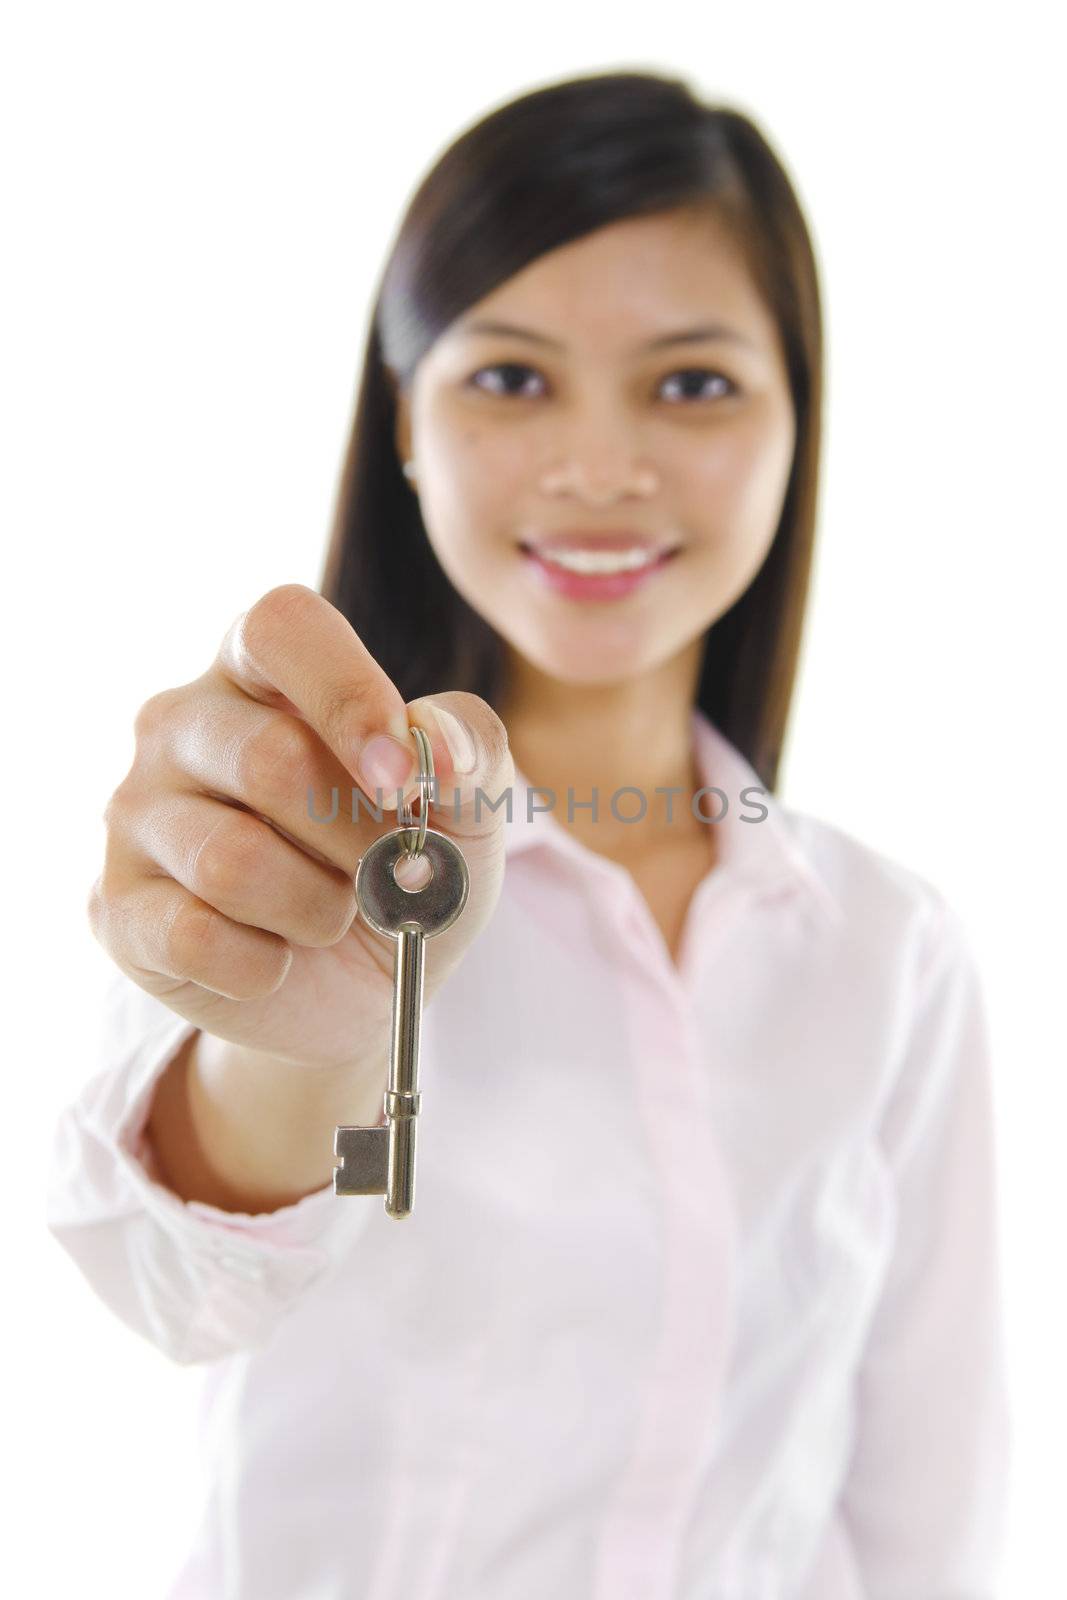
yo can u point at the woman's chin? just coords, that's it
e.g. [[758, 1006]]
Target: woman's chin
[[576, 661]]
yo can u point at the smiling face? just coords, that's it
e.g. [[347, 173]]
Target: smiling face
[[580, 424]]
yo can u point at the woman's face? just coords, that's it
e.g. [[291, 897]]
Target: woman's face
[[578, 425]]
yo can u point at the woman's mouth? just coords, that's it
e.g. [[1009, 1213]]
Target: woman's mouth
[[593, 572]]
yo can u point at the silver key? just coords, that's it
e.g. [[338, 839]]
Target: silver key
[[382, 1160]]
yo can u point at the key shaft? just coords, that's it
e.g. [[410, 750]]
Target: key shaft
[[402, 1096]]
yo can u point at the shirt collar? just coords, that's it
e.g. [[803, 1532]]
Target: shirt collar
[[758, 843]]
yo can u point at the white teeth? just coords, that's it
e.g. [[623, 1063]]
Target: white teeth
[[600, 561]]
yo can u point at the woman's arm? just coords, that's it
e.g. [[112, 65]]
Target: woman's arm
[[246, 1133], [198, 1280], [924, 1501]]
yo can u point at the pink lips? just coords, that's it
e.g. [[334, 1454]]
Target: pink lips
[[600, 585]]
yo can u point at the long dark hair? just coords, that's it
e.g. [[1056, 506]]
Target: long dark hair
[[532, 175]]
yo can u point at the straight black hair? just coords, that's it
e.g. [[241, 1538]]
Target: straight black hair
[[538, 172]]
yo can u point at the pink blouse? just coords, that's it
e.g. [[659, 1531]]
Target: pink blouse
[[700, 1296]]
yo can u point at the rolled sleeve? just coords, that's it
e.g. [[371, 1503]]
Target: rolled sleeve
[[198, 1282], [925, 1497]]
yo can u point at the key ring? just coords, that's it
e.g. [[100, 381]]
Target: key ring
[[408, 821]]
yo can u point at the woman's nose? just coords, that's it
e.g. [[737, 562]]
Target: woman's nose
[[599, 484]]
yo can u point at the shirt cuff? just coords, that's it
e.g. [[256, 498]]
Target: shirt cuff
[[295, 1240]]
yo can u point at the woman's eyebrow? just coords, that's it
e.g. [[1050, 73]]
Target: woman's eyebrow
[[708, 331]]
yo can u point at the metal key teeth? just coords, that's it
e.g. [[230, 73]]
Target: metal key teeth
[[364, 1155]]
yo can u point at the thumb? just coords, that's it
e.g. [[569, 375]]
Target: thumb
[[473, 767]]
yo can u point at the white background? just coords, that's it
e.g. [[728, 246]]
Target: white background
[[197, 202]]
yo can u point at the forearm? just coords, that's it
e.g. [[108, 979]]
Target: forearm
[[248, 1133]]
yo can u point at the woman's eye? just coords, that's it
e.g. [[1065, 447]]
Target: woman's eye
[[697, 388], [510, 379], [507, 367]]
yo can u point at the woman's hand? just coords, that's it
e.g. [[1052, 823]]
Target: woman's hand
[[220, 892]]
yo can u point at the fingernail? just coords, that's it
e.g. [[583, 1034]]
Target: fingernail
[[384, 763], [457, 737]]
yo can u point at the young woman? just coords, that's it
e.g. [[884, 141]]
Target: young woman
[[699, 1296]]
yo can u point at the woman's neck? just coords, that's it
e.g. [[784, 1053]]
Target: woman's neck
[[585, 741]]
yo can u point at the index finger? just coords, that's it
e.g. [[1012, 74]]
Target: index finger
[[294, 650]]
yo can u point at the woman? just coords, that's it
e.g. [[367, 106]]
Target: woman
[[699, 1295]]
